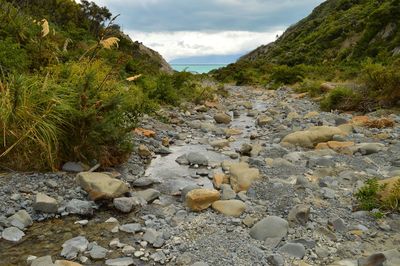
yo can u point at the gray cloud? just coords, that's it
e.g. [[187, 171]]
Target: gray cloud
[[208, 15]]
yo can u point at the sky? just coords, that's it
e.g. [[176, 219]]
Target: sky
[[206, 29]]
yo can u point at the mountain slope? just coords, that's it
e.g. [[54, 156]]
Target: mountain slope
[[338, 31]]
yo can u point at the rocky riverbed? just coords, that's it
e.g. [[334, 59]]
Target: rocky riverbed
[[256, 178]]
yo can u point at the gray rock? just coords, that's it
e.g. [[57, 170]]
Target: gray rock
[[126, 261], [276, 260], [227, 192], [73, 167], [197, 158], [43, 261], [159, 256], [97, 252], [13, 234], [143, 181], [222, 118], [148, 194], [269, 227], [21, 219], [44, 203], [151, 235], [299, 214], [79, 207], [123, 204], [183, 160], [328, 193], [296, 250], [131, 228], [338, 224], [72, 247]]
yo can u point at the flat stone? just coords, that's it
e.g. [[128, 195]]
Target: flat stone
[[197, 158], [79, 207], [311, 137], [12, 234], [269, 227], [43, 261], [74, 167], [72, 247], [126, 261], [222, 118], [220, 143], [98, 252], [131, 228], [44, 203], [229, 207], [201, 199], [21, 219], [227, 192], [66, 263], [241, 176], [101, 186], [123, 204], [296, 250], [148, 194]]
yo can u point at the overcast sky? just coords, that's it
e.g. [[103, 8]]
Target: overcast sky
[[185, 28]]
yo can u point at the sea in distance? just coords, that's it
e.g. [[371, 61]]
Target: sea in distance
[[197, 68]]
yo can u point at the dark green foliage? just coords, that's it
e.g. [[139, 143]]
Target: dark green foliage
[[286, 75], [340, 98], [370, 197], [367, 196]]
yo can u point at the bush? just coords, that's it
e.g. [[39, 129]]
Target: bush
[[286, 75], [340, 98], [313, 87], [369, 196], [78, 112], [382, 83]]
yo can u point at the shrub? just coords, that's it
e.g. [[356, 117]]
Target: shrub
[[286, 75], [31, 119], [313, 87], [78, 112], [382, 82], [340, 98], [369, 196]]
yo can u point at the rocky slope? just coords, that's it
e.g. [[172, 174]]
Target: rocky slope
[[338, 31], [258, 178]]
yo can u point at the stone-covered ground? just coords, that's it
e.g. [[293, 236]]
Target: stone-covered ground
[[224, 183]]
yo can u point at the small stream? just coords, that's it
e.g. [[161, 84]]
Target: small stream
[[46, 238]]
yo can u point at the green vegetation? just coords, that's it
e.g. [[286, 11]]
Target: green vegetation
[[73, 86], [371, 197], [341, 40]]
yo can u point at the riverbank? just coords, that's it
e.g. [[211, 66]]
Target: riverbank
[[283, 201]]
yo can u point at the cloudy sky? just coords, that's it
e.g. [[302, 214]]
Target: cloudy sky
[[180, 29]]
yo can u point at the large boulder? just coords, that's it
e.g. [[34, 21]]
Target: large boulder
[[101, 186], [242, 176], [20, 219], [229, 207], [311, 137], [201, 199]]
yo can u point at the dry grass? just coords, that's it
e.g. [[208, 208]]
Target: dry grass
[[109, 42]]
